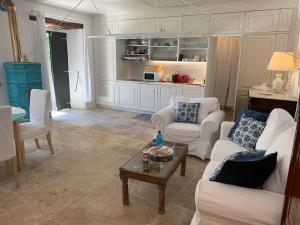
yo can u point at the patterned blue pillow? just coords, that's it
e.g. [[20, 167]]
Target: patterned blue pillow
[[249, 113], [247, 132], [186, 112], [239, 157]]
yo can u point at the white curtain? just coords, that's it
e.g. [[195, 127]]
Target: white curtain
[[226, 69], [42, 56], [87, 47]]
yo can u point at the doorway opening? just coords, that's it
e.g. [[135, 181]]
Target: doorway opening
[[60, 71]]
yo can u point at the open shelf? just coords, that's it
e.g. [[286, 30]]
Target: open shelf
[[164, 46], [129, 45], [195, 49]]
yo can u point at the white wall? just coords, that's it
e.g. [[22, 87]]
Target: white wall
[[27, 31]]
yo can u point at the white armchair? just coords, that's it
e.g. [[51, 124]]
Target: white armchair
[[199, 137]]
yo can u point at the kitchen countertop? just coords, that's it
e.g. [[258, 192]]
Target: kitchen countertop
[[161, 83]]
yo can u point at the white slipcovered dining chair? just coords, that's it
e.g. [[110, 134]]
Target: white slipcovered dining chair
[[39, 124], [7, 143]]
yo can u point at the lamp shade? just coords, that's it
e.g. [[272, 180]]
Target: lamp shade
[[282, 61]]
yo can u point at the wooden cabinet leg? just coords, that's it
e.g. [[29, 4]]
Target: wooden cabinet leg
[[161, 204], [14, 167], [16, 125], [125, 191], [22, 150], [183, 165]]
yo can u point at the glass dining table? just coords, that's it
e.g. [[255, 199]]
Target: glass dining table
[[17, 116]]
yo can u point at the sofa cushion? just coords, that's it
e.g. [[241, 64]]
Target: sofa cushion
[[279, 120], [182, 131], [248, 113], [219, 202], [186, 112], [246, 173], [284, 146], [208, 105], [247, 132], [224, 148]]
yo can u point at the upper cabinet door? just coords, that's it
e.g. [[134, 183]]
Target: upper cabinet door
[[285, 19], [256, 54], [229, 23], [148, 25], [262, 21], [198, 24], [170, 24], [105, 28], [282, 43], [126, 26], [105, 59]]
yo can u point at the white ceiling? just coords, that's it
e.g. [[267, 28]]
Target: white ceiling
[[128, 6]]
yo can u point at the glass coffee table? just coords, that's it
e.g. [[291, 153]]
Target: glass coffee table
[[134, 169]]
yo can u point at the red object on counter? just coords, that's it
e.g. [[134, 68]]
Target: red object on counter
[[183, 78]]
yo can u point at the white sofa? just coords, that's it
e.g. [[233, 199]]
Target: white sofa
[[199, 137], [223, 204]]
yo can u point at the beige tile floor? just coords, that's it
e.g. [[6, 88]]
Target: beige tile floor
[[79, 184]]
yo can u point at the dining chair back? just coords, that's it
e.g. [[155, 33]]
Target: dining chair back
[[39, 106], [7, 143]]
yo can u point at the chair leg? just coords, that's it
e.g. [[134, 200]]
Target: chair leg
[[22, 148], [37, 143], [50, 142], [14, 166]]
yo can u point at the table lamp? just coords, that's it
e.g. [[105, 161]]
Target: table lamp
[[281, 61]]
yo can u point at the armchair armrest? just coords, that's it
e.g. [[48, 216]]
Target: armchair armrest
[[225, 129], [212, 122], [163, 117]]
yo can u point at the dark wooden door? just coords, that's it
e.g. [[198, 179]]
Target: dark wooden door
[[59, 59], [291, 211]]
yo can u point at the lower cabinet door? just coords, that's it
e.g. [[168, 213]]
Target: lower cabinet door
[[105, 93], [193, 92], [165, 94], [127, 95], [148, 98]]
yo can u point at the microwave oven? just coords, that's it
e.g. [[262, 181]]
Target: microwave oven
[[152, 76]]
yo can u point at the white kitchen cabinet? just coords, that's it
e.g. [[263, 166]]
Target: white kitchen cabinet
[[198, 24], [105, 93], [262, 21], [285, 19], [147, 98], [148, 25], [126, 26], [165, 94], [282, 42], [256, 54], [105, 28], [105, 59], [192, 92], [127, 95], [170, 24], [227, 23]]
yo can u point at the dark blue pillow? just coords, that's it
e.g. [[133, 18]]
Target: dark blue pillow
[[262, 117], [246, 169]]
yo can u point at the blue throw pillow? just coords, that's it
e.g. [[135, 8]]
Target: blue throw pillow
[[239, 156], [247, 132], [249, 113], [186, 112], [246, 173]]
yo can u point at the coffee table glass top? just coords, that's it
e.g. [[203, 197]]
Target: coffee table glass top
[[157, 169]]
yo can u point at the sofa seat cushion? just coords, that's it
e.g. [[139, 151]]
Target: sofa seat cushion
[[225, 148], [182, 132], [217, 202], [30, 129], [210, 169]]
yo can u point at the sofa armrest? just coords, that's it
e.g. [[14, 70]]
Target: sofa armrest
[[225, 129], [237, 204], [212, 122], [163, 117]]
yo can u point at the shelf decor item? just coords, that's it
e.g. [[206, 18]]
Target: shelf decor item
[[282, 61]]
